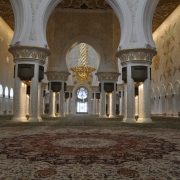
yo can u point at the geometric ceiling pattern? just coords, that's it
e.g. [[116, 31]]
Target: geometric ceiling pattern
[[163, 10]]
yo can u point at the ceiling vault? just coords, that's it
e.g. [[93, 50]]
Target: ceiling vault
[[163, 10]]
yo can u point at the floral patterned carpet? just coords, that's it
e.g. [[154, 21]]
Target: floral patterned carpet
[[89, 153]]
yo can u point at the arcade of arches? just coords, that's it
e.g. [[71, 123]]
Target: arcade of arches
[[137, 72]]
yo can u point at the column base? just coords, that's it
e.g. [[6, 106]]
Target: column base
[[19, 119], [102, 116], [35, 119], [52, 116], [144, 120], [112, 116], [129, 120]]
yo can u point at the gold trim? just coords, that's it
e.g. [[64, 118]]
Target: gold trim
[[29, 52], [145, 54]]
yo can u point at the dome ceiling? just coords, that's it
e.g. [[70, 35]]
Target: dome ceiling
[[163, 10]]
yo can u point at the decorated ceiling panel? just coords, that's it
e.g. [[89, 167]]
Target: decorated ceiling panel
[[163, 10]]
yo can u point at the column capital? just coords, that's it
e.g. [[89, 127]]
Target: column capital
[[140, 54], [120, 87], [44, 85], [29, 52], [55, 75], [70, 88], [95, 89], [108, 76]]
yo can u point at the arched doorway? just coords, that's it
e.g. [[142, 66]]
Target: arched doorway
[[82, 101]]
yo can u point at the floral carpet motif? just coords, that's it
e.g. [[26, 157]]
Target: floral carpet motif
[[86, 154]]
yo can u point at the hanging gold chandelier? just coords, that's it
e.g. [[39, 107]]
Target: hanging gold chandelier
[[82, 70]]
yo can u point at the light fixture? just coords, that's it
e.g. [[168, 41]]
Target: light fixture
[[82, 70]]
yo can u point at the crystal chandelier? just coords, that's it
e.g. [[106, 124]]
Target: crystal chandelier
[[82, 70]]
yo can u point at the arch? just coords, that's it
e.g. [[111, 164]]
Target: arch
[[169, 90], [157, 92], [152, 93], [89, 95], [1, 90], [163, 91], [6, 92], [83, 39], [11, 93], [177, 87]]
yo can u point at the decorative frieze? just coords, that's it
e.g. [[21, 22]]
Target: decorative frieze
[[136, 54], [28, 52], [54, 75], [112, 76]]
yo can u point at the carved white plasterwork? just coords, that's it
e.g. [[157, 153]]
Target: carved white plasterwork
[[34, 7], [133, 4], [106, 76], [54, 75]]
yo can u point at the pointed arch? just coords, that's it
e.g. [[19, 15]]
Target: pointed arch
[[163, 91], [157, 92], [169, 89], [6, 91], [177, 87]]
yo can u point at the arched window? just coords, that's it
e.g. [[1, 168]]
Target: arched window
[[11, 93], [6, 92], [82, 100], [1, 90]]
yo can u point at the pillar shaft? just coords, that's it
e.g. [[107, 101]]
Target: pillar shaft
[[61, 101], [103, 101], [35, 96], [19, 99], [51, 102], [113, 103], [130, 108], [136, 106], [27, 104], [94, 104], [144, 101]]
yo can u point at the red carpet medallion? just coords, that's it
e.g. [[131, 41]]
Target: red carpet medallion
[[88, 154]]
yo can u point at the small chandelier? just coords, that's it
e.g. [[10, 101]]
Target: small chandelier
[[82, 70]]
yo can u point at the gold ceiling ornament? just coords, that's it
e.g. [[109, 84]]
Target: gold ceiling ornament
[[82, 70]]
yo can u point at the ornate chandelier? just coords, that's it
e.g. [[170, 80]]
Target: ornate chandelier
[[82, 70]]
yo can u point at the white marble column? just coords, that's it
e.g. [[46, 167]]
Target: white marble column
[[113, 103], [103, 101], [27, 104], [125, 103], [1, 104], [130, 108], [144, 101], [51, 102], [98, 106], [35, 96], [136, 105], [94, 103], [19, 99], [122, 103], [69, 103], [61, 100]]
